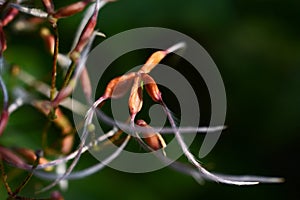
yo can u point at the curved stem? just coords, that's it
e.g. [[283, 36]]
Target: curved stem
[[193, 160], [86, 130], [70, 156], [73, 155], [166, 130], [54, 64], [28, 177], [89, 171], [69, 74]]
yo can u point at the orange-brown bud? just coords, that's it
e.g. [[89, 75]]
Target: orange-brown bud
[[2, 41], [151, 87], [60, 121], [48, 39], [3, 120], [67, 144], [135, 101], [157, 56], [86, 83], [48, 4], [11, 157], [63, 94], [56, 196], [86, 33], [118, 86], [71, 9], [9, 16], [63, 122], [153, 139], [154, 59], [30, 155]]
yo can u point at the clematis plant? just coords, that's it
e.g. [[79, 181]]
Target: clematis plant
[[51, 163]]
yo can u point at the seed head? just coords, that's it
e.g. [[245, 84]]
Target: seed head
[[151, 87], [153, 139], [118, 86], [135, 101], [71, 9], [154, 59]]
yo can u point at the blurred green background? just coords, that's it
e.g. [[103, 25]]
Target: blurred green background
[[256, 46]]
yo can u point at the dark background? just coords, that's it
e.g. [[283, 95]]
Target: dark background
[[256, 46]]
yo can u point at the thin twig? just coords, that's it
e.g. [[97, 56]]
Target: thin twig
[[73, 154], [41, 87], [86, 130], [28, 177], [31, 11], [86, 172], [4, 177], [54, 64], [166, 130]]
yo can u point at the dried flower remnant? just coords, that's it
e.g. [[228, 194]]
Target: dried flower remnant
[[154, 59], [135, 101], [71, 9], [87, 31], [154, 140], [135, 104], [116, 88], [151, 88], [31, 156], [10, 157], [157, 56], [48, 39]]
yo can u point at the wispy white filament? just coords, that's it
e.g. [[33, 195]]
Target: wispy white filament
[[176, 47], [193, 161]]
